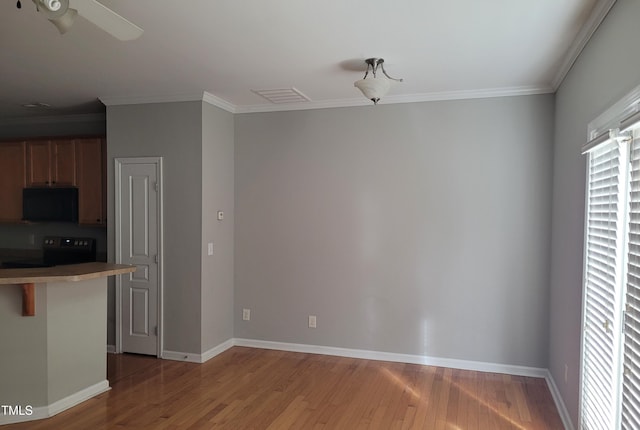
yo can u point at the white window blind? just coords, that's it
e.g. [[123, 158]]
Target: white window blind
[[630, 382], [610, 361], [603, 256]]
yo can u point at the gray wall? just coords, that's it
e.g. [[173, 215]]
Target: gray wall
[[412, 228], [172, 131], [23, 360], [76, 335], [49, 126], [59, 351], [217, 194], [605, 71]]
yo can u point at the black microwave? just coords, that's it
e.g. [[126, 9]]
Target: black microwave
[[50, 204]]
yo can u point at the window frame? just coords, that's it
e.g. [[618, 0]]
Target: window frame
[[601, 130]]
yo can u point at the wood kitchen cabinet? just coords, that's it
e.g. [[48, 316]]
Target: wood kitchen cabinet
[[90, 174], [56, 162], [51, 163], [12, 180]]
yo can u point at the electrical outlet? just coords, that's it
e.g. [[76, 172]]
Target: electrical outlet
[[566, 373], [312, 321], [246, 314], [210, 248]]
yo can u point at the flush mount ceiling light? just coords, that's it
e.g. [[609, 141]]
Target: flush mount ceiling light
[[375, 87]]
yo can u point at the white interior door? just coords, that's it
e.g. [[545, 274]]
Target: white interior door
[[138, 207]]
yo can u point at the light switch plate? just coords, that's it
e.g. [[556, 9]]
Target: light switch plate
[[210, 248]]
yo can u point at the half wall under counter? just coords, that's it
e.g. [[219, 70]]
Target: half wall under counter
[[56, 358]]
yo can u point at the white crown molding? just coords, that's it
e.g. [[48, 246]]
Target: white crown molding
[[54, 119], [218, 102], [470, 94], [599, 12], [302, 106], [410, 98], [145, 99], [557, 398], [204, 96], [214, 100]]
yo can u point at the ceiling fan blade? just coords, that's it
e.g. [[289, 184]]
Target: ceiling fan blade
[[106, 19]]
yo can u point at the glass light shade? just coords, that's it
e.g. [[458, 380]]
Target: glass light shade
[[373, 88], [64, 22], [52, 5]]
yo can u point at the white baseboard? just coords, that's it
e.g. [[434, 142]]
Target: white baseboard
[[54, 408], [79, 397], [401, 358], [219, 349], [111, 349], [198, 358], [358, 353], [181, 356], [557, 398]]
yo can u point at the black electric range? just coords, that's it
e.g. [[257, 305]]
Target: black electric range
[[58, 250]]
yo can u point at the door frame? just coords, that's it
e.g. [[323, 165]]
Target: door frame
[[118, 163]]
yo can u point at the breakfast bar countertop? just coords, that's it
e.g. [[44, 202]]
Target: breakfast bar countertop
[[63, 273]]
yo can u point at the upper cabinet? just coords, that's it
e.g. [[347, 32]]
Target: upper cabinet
[[51, 163], [12, 180], [91, 181], [63, 166], [59, 162]]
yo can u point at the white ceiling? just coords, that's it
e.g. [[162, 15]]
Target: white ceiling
[[226, 48]]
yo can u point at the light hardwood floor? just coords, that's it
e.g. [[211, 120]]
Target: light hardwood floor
[[245, 388]]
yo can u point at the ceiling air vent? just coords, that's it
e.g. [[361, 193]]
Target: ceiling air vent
[[283, 95]]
